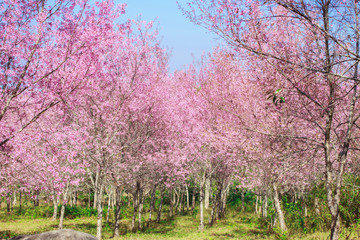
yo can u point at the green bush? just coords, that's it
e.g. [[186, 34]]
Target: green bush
[[77, 211], [38, 212]]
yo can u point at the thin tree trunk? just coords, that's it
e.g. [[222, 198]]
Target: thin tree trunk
[[264, 204], [181, 200], [62, 211], [113, 199], [256, 205], [193, 199], [20, 202], [99, 194], [223, 200], [278, 208], [201, 226], [89, 203], [218, 200], [75, 198], [207, 192], [117, 212], [96, 192], [108, 209], [260, 205], [135, 204], [304, 205], [14, 200], [141, 205], [182, 203], [171, 202], [187, 197], [176, 200], [71, 199], [213, 212], [160, 206], [152, 204], [55, 201], [8, 205], [36, 200], [243, 200]]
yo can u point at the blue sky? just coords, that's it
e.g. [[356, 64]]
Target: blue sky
[[185, 40]]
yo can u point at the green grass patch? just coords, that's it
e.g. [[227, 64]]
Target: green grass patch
[[235, 226]]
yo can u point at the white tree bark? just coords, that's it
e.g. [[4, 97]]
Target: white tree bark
[[62, 212], [207, 192], [201, 226], [99, 189], [55, 201], [278, 209]]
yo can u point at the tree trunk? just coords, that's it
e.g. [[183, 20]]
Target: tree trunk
[[264, 204], [317, 209], [14, 201], [117, 212], [160, 206], [75, 198], [71, 200], [141, 205], [256, 204], [36, 200], [176, 200], [96, 184], [193, 199], [171, 202], [213, 212], [62, 211], [218, 200], [207, 192], [243, 200], [55, 201], [303, 204], [89, 203], [20, 202], [8, 204], [187, 197], [224, 194], [108, 209], [99, 194], [201, 226], [152, 204], [260, 205], [278, 208], [181, 201], [135, 204]]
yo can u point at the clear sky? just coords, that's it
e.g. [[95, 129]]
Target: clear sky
[[185, 39]]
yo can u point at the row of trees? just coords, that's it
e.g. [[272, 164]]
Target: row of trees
[[88, 100]]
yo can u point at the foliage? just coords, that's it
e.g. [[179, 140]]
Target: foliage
[[350, 203], [294, 213]]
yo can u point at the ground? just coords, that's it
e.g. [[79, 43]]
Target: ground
[[235, 226]]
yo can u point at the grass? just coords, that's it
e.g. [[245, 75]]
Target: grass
[[234, 226]]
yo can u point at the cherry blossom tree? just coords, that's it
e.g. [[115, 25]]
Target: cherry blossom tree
[[247, 132], [48, 52], [312, 50], [121, 111]]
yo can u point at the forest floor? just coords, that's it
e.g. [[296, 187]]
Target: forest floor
[[234, 226]]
